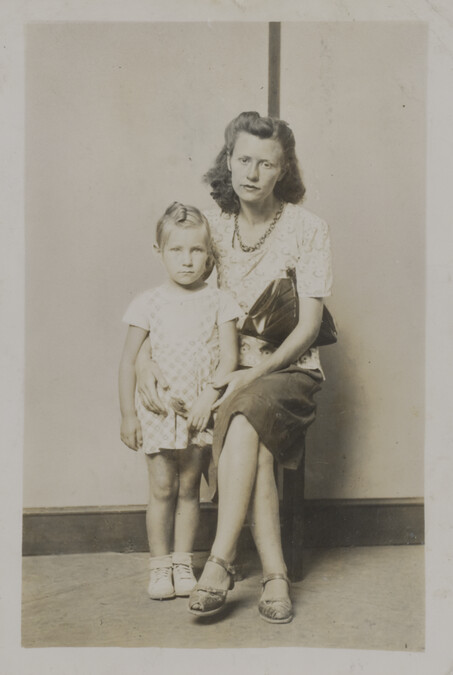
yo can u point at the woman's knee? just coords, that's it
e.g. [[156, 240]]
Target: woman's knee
[[240, 426]]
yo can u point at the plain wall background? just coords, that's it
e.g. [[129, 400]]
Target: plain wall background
[[122, 119]]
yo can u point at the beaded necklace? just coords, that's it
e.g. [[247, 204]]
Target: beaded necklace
[[261, 240]]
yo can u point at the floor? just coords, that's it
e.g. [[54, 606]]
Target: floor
[[358, 598]]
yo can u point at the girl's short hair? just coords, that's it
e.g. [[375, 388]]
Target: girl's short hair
[[183, 216], [289, 188]]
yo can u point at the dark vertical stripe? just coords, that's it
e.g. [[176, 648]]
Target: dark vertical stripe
[[273, 101]]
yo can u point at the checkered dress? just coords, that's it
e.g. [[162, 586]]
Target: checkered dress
[[183, 330]]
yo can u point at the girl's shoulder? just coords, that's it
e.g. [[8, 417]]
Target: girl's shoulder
[[217, 297], [149, 296]]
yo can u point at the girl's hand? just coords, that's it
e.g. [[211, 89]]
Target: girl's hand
[[131, 432], [179, 406], [232, 382], [149, 375], [200, 412]]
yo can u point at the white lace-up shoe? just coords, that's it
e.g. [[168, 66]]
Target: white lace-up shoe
[[160, 581], [183, 577]]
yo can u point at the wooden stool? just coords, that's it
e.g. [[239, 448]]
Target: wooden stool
[[291, 492]]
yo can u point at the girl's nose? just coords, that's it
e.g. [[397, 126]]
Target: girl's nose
[[252, 171], [187, 258]]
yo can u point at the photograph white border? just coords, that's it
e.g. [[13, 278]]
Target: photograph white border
[[438, 655]]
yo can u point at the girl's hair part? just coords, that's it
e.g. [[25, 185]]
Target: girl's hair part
[[184, 216], [289, 188]]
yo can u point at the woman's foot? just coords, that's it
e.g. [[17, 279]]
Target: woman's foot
[[275, 603], [209, 595], [215, 575]]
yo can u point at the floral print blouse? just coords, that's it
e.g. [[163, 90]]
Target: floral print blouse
[[300, 240]]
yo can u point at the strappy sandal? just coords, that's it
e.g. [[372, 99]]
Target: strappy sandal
[[211, 600], [277, 610]]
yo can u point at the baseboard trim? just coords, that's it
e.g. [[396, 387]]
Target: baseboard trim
[[328, 523]]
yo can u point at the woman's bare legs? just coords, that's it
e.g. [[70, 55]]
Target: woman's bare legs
[[264, 520], [163, 490], [187, 510], [236, 477], [246, 477]]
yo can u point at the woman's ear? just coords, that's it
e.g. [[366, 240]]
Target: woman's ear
[[156, 249]]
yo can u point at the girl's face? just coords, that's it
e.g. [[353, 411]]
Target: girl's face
[[185, 256], [256, 164]]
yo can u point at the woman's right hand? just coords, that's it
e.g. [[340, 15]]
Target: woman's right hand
[[233, 381], [149, 375]]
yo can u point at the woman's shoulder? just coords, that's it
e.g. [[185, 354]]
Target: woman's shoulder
[[217, 218], [214, 213], [298, 213], [304, 225]]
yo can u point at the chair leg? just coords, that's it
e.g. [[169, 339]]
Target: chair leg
[[293, 520]]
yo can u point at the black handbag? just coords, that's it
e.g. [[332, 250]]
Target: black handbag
[[275, 314]]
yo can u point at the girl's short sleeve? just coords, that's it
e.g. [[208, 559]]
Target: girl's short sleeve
[[137, 314], [228, 308], [314, 268]]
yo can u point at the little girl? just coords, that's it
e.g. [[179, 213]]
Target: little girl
[[192, 330]]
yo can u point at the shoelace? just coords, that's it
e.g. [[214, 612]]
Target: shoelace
[[184, 572], [161, 572]]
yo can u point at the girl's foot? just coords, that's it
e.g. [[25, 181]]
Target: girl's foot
[[183, 577], [161, 578]]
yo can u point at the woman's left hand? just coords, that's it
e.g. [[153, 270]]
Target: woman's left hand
[[232, 382]]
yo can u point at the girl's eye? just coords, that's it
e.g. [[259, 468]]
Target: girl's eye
[[243, 160], [267, 165]]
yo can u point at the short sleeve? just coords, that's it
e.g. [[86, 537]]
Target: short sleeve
[[137, 314], [228, 308], [314, 268]]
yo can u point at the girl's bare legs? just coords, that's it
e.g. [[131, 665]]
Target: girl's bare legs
[[236, 476], [163, 491], [187, 510], [264, 519]]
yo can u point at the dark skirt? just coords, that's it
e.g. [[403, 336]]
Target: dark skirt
[[280, 407]]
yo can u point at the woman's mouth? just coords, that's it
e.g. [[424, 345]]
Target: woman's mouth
[[250, 188]]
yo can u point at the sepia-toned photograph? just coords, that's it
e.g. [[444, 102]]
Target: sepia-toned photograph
[[225, 335]]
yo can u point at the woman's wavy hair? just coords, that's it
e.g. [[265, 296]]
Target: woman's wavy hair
[[289, 188]]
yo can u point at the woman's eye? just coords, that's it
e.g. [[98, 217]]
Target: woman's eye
[[267, 165]]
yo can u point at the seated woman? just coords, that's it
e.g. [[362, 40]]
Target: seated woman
[[259, 230]]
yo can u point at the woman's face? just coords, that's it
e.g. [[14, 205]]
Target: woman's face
[[256, 164]]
